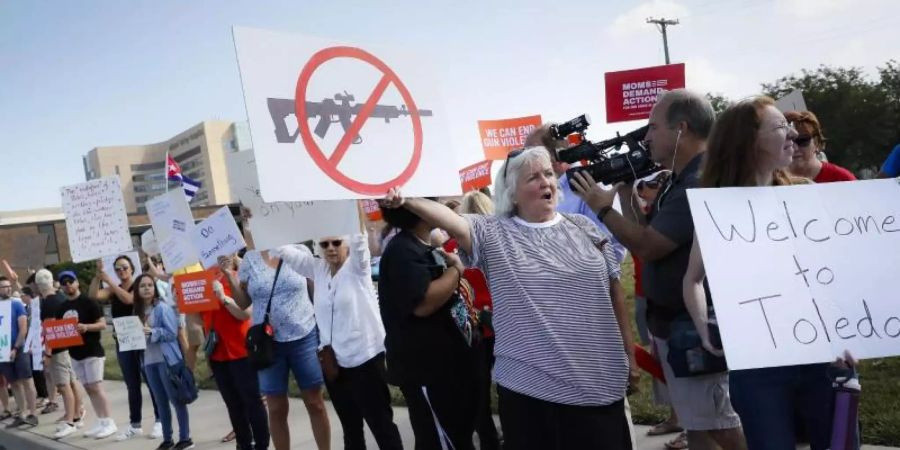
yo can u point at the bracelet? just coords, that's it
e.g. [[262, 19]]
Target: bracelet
[[603, 212]]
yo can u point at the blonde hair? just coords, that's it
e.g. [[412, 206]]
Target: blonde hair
[[43, 279], [476, 202]]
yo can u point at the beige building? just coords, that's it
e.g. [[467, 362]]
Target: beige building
[[200, 151]]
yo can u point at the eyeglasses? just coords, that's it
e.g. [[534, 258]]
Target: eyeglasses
[[122, 268], [335, 243], [803, 141], [66, 281], [6, 287], [510, 156]]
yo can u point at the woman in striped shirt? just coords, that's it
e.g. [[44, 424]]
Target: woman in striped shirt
[[563, 343]]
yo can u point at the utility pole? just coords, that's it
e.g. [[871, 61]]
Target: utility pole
[[661, 24]]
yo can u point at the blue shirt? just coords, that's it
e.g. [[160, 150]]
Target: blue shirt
[[572, 204], [292, 315], [18, 310], [891, 166], [162, 344]]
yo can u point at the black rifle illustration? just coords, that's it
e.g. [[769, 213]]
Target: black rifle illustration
[[329, 111]]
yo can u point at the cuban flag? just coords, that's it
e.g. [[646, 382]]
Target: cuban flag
[[173, 172]]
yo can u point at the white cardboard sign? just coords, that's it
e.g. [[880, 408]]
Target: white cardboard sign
[[6, 337], [95, 218], [215, 236], [791, 102], [148, 243], [172, 222], [800, 274], [280, 223], [373, 119], [130, 333]]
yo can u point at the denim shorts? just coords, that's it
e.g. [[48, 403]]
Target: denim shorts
[[297, 356]]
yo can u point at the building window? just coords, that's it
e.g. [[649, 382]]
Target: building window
[[51, 251], [148, 166], [188, 154], [149, 177]]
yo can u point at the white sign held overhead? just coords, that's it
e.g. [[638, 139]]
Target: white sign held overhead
[[333, 121], [130, 333], [791, 102], [148, 243], [279, 223], [794, 282], [95, 218], [215, 236], [172, 222]]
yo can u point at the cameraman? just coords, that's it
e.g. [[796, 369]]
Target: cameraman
[[680, 123]]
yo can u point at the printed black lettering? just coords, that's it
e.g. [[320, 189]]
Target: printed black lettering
[[733, 228], [887, 221], [811, 326], [838, 327], [762, 308], [829, 275], [862, 224], [806, 232], [772, 227], [787, 212], [837, 222], [801, 271], [869, 319], [888, 322], [819, 313]]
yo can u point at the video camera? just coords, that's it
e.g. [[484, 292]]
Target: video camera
[[604, 161]]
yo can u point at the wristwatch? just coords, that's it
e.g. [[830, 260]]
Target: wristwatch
[[603, 211]]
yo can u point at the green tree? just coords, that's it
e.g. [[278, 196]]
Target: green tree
[[719, 102], [859, 116]]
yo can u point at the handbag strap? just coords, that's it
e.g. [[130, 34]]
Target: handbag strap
[[272, 293]]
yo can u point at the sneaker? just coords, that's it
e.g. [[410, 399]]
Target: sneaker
[[64, 430], [79, 422], [31, 420], [184, 445], [157, 431], [166, 445], [51, 407], [129, 433], [91, 432], [16, 423], [108, 429]]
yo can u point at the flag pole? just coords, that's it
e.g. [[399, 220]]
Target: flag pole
[[166, 172]]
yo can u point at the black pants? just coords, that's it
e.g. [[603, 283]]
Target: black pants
[[131, 363], [239, 386], [484, 419], [361, 394], [454, 403], [40, 384], [529, 423]]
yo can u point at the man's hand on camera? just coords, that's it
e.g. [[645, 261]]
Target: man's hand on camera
[[584, 186]]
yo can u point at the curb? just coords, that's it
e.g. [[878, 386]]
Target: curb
[[21, 439]]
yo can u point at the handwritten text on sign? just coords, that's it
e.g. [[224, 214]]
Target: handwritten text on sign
[[195, 293], [95, 218], [130, 333], [800, 274], [216, 236], [62, 333], [6, 337], [498, 137]]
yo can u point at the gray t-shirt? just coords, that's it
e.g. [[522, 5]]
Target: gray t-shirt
[[662, 279], [557, 338]]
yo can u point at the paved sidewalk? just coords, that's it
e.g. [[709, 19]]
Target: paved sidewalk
[[209, 423]]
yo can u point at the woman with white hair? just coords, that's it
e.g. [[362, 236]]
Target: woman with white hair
[[563, 343], [351, 335]]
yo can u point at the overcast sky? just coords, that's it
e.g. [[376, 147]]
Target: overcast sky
[[80, 74]]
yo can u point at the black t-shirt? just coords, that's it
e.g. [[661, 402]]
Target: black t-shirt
[[419, 349], [88, 312], [118, 308]]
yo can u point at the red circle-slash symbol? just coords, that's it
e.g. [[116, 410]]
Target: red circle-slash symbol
[[329, 165]]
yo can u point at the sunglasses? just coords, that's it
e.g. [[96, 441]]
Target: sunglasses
[[122, 268], [803, 141], [335, 243], [510, 156], [66, 281]]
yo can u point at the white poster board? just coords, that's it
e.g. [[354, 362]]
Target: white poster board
[[172, 222], [215, 236], [791, 102], [133, 256], [95, 219], [149, 244], [800, 274], [388, 100], [280, 223], [6, 338], [130, 333]]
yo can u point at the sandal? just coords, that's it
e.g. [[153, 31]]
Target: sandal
[[664, 428], [228, 437], [6, 415], [679, 443]]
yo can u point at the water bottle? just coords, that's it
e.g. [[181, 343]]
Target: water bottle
[[845, 427]]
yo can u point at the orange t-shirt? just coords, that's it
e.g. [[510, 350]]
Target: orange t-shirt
[[232, 332]]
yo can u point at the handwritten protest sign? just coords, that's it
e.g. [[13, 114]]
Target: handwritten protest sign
[[476, 176], [62, 333], [6, 337], [95, 219], [280, 223], [372, 210], [799, 274], [149, 244], [498, 137], [109, 264], [172, 222], [350, 121], [130, 333], [194, 291], [215, 236]]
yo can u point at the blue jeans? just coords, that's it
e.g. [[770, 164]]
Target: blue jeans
[[766, 400], [164, 393], [301, 358], [131, 364]]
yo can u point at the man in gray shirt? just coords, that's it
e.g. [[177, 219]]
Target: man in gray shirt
[[680, 123]]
